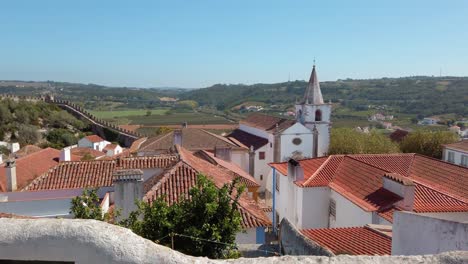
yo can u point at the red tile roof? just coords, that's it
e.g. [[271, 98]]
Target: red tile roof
[[96, 173], [267, 122], [30, 167], [81, 152], [110, 147], [362, 184], [177, 181], [192, 139], [244, 177], [398, 135], [247, 139], [461, 145], [94, 138], [26, 150], [351, 240], [439, 186]]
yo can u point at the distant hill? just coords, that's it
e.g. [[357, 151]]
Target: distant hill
[[413, 95]]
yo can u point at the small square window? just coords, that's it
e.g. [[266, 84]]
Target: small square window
[[261, 155]]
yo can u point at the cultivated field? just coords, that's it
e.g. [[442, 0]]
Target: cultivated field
[[127, 113]]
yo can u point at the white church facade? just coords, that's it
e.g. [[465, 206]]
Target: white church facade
[[273, 139]]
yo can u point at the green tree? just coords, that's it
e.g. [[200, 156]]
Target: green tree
[[427, 143], [28, 134], [59, 138], [350, 141], [87, 206], [205, 225]]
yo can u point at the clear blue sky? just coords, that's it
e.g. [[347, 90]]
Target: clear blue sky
[[199, 43]]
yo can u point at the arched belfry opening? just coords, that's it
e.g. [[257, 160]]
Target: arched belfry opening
[[318, 115]]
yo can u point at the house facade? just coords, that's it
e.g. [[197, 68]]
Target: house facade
[[456, 153], [355, 190]]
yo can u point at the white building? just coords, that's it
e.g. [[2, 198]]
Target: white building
[[274, 139], [355, 190], [93, 141], [456, 153]]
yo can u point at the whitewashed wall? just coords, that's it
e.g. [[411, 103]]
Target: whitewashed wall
[[261, 166], [248, 236], [241, 159], [457, 155], [288, 148], [417, 234], [348, 214], [314, 209]]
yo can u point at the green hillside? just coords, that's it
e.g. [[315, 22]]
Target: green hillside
[[423, 96]]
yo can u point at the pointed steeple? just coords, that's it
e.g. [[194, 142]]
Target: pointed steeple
[[313, 95]]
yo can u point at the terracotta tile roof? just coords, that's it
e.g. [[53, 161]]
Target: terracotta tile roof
[[445, 177], [267, 122], [399, 178], [96, 173], [192, 139], [244, 177], [248, 139], [177, 181], [362, 184], [439, 186], [461, 145], [110, 147], [136, 144], [351, 240], [398, 135], [81, 152], [8, 215], [31, 166], [94, 138], [387, 214], [26, 150]]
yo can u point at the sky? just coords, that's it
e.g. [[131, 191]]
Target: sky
[[194, 44]]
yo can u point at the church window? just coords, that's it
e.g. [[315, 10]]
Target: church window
[[297, 141], [261, 155], [318, 115]]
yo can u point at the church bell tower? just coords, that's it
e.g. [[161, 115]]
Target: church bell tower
[[314, 114]]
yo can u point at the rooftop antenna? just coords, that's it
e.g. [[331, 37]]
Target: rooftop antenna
[[289, 77], [314, 61]]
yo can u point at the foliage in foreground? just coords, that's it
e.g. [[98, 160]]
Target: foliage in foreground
[[87, 206], [205, 225]]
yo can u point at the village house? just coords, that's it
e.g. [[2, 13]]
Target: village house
[[456, 153], [355, 190], [170, 175]]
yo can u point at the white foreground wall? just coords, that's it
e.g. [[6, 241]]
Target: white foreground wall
[[90, 241], [415, 234]]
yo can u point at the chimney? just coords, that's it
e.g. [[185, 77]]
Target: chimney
[[128, 187], [11, 175], [252, 161], [178, 137], [65, 154], [401, 186], [295, 171], [223, 153]]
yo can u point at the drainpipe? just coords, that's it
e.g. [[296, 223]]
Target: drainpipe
[[273, 210]]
